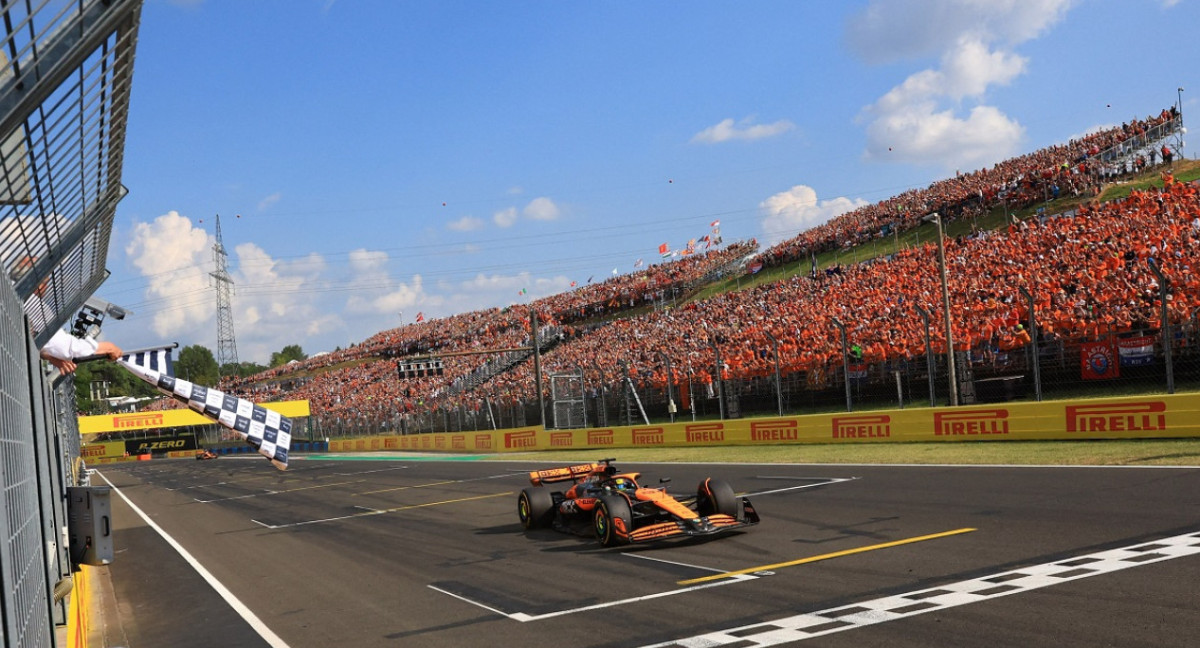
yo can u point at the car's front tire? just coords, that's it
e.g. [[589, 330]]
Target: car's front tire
[[612, 520], [714, 496]]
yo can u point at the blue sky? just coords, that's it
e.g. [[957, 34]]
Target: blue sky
[[374, 159]]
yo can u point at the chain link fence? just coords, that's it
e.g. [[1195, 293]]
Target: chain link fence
[[65, 70]]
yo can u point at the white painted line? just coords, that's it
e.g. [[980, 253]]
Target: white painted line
[[794, 478], [225, 499], [832, 480], [261, 628], [267, 491], [367, 472], [672, 562], [329, 519], [890, 608], [526, 618], [467, 600]]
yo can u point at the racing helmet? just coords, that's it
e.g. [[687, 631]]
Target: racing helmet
[[623, 484]]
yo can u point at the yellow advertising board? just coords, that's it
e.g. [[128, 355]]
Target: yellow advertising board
[[93, 451], [1161, 416], [171, 418]]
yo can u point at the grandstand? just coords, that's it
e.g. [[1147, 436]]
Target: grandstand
[[1060, 283]]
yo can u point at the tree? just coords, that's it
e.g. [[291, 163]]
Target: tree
[[119, 382], [196, 364], [242, 369], [289, 353]]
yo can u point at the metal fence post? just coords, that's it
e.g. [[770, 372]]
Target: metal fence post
[[601, 406], [670, 393], [930, 367], [1033, 336], [720, 378], [537, 366], [845, 364], [778, 383], [1164, 289], [937, 219], [625, 390]]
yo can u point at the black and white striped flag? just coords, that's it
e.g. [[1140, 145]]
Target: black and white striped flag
[[266, 430]]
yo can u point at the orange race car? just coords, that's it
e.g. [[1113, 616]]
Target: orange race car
[[205, 455], [618, 510]]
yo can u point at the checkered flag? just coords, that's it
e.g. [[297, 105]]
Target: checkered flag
[[262, 428]]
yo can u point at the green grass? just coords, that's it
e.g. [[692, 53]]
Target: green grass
[[1132, 452], [1184, 171]]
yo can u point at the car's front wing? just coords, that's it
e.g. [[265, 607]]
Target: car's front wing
[[698, 526]]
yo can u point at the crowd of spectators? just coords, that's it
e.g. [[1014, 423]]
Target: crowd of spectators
[[362, 381], [1079, 167], [1088, 272]]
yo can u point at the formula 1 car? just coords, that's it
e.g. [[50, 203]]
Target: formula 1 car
[[205, 455], [618, 510]]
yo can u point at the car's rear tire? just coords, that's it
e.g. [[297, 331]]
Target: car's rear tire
[[535, 508], [714, 496], [612, 521]]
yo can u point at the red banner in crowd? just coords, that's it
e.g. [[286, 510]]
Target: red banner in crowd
[[1098, 361]]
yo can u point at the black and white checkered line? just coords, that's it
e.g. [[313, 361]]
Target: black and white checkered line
[[891, 608]]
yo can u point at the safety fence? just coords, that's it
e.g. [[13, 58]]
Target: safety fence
[[65, 71], [1150, 416]]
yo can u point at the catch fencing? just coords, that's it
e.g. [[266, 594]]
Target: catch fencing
[[65, 71]]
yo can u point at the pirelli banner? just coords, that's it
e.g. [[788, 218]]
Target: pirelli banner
[[161, 445], [171, 418], [1113, 418]]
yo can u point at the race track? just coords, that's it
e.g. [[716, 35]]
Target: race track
[[409, 551]]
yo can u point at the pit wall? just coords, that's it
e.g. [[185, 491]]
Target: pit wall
[[1164, 416]]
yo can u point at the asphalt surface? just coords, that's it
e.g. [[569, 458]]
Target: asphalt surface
[[415, 552]]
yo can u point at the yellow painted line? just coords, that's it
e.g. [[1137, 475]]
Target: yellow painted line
[[836, 554], [453, 501], [400, 488]]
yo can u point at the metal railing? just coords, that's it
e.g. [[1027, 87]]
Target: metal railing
[[65, 70]]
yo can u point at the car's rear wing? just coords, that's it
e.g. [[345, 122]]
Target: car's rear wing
[[569, 473]]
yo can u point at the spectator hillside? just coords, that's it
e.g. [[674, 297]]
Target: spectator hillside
[[1078, 167], [1087, 270]]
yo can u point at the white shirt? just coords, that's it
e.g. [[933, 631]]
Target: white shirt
[[65, 346]]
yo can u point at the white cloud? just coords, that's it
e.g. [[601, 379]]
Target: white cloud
[[269, 200], [726, 130], [274, 303], [174, 258], [487, 290], [887, 31], [368, 264], [505, 217], [922, 135], [939, 115], [797, 209], [465, 224], [374, 289], [541, 209]]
